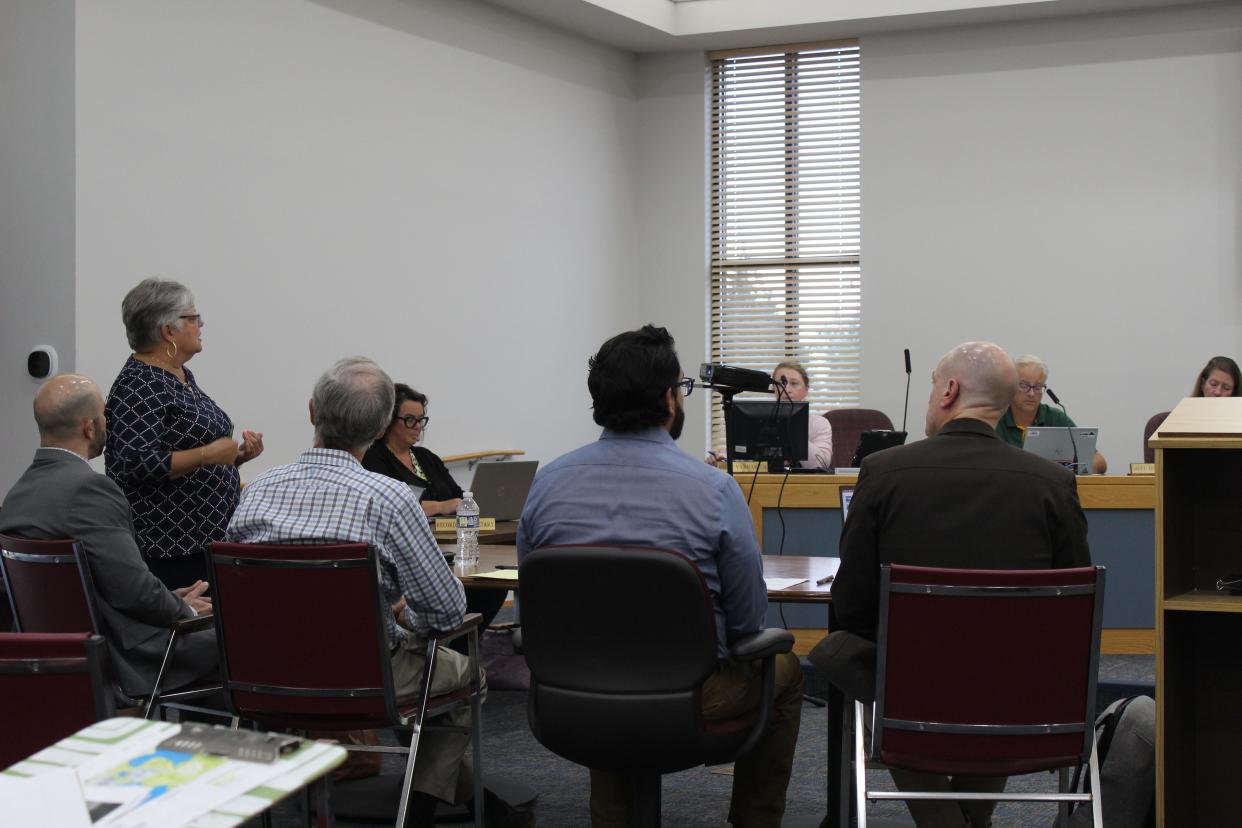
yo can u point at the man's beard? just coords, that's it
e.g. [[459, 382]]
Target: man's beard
[[97, 442], [679, 420]]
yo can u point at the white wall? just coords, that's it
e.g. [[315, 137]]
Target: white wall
[[672, 203], [1068, 188], [36, 210], [441, 185]]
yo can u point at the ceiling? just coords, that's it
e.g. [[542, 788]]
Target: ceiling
[[676, 25]]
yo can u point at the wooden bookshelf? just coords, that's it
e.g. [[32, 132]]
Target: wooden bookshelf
[[1198, 627]]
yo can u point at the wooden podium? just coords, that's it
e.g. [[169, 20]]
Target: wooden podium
[[1198, 626]]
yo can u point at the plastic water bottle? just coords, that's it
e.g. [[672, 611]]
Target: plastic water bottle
[[467, 530]]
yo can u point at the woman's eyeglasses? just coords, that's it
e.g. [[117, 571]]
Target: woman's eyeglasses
[[410, 421]]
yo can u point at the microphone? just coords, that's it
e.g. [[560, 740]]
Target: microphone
[[906, 411], [1052, 395], [729, 378]]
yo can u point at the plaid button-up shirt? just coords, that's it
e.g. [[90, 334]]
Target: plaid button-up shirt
[[327, 497]]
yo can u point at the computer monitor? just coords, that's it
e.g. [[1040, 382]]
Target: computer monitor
[[768, 430]]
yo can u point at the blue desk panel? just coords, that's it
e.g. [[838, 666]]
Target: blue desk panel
[[1123, 540]]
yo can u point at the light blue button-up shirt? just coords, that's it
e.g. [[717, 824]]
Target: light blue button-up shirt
[[639, 489]]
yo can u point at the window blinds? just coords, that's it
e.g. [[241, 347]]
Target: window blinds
[[785, 256]]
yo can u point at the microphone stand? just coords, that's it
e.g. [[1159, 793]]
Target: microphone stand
[[906, 410], [1073, 443]]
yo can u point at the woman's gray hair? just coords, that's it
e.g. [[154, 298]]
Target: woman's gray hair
[[353, 404], [149, 306], [1032, 361]]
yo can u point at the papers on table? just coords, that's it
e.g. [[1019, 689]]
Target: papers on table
[[51, 798], [779, 584], [132, 783], [498, 575]]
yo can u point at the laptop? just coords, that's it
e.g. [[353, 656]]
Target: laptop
[[1060, 444], [869, 442], [847, 494], [500, 489]]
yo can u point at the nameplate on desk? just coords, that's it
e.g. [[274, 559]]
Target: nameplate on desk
[[1142, 468], [450, 524], [749, 466]]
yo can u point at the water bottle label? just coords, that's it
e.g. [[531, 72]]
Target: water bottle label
[[467, 521]]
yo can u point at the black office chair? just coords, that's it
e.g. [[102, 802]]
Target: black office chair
[[619, 642]]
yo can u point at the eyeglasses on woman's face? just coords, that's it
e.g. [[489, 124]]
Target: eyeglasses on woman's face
[[410, 421]]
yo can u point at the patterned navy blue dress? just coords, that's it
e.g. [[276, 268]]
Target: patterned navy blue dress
[[150, 415]]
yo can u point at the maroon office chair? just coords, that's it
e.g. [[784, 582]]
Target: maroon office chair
[[53, 686], [848, 424], [324, 664], [616, 680], [984, 673], [1153, 423], [51, 591]]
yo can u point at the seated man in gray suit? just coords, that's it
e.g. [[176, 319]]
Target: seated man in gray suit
[[60, 496]]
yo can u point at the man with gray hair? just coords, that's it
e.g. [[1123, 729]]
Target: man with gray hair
[[961, 498], [61, 497], [327, 496], [1026, 409]]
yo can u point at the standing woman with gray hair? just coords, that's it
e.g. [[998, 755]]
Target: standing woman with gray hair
[[169, 447]]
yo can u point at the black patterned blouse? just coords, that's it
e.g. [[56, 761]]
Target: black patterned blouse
[[150, 415]]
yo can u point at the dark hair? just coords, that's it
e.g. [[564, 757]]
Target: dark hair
[[406, 394], [1219, 363], [628, 377]]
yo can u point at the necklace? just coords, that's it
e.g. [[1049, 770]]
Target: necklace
[[156, 362]]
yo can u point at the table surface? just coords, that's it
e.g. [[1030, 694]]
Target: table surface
[[112, 736], [810, 570], [504, 533]]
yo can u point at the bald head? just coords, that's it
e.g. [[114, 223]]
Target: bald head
[[975, 380], [69, 411]]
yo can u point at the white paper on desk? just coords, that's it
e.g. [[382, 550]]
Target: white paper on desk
[[779, 584], [51, 798]]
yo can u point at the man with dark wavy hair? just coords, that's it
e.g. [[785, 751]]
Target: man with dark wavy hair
[[635, 487]]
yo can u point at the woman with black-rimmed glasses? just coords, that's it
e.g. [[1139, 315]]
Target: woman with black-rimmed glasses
[[398, 455]]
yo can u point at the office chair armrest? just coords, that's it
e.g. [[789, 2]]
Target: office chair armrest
[[517, 642], [762, 644], [199, 622], [471, 621]]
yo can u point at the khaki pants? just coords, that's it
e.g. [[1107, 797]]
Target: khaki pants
[[760, 777], [442, 768]]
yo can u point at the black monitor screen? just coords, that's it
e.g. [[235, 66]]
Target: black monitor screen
[[768, 430]]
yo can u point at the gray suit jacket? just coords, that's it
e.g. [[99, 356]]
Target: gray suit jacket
[[61, 496]]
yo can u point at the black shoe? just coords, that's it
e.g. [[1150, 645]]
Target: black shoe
[[500, 814], [422, 810]]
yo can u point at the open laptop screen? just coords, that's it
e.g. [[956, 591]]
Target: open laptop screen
[[1061, 445]]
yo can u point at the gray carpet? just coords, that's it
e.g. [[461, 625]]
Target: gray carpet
[[701, 796]]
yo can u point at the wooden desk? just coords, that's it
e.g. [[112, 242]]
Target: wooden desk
[[812, 569], [504, 533], [804, 518]]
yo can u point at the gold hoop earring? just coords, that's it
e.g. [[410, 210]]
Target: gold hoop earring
[[173, 353]]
